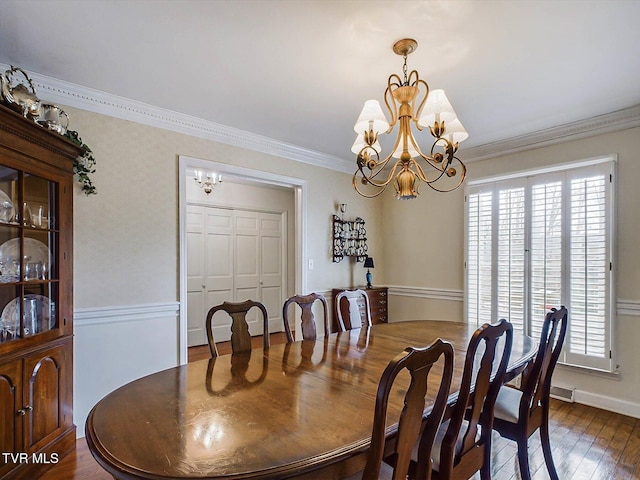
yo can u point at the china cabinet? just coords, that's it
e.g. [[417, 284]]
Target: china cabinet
[[36, 327]]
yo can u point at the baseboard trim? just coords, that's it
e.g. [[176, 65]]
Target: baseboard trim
[[616, 405]]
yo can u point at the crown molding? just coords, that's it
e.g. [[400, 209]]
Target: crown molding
[[59, 91], [607, 123]]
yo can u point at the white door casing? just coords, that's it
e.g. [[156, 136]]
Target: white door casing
[[299, 187]]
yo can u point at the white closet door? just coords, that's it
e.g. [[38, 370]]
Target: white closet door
[[247, 266], [196, 334], [233, 255], [220, 250], [271, 267]]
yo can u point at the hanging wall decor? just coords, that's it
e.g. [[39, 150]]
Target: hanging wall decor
[[349, 239]]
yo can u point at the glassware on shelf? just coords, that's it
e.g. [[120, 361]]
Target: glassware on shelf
[[9, 327], [38, 217], [39, 316], [6, 208], [36, 260], [26, 215]]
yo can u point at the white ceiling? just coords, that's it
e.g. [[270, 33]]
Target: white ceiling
[[298, 71]]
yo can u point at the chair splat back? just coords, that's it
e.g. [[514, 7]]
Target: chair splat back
[[419, 363], [353, 308], [520, 412], [307, 319], [240, 336], [466, 446], [537, 380]]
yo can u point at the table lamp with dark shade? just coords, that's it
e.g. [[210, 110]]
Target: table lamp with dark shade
[[368, 263]]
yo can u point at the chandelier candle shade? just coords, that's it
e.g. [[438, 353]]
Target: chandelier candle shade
[[408, 99]]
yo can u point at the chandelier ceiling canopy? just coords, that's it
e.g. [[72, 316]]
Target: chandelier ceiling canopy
[[408, 99]]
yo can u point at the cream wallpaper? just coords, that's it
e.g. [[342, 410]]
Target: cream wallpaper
[[126, 248]]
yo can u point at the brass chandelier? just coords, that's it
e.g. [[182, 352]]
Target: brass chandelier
[[434, 111]]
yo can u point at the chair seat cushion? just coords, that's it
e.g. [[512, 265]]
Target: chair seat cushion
[[508, 404], [437, 444]]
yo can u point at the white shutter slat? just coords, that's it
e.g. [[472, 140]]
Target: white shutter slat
[[588, 266], [479, 257], [511, 257], [546, 252]]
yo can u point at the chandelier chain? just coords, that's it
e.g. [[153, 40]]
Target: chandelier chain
[[404, 70]]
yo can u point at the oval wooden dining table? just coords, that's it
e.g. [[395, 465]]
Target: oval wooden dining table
[[299, 410]]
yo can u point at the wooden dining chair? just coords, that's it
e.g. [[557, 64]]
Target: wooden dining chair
[[240, 336], [354, 315], [412, 429], [307, 319], [463, 442], [521, 411]]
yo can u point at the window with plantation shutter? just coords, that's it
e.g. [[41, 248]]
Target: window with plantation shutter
[[479, 256], [539, 240]]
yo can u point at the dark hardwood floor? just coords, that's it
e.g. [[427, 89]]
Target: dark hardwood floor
[[588, 443]]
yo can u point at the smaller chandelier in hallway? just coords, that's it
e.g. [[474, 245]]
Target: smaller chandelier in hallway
[[209, 182]]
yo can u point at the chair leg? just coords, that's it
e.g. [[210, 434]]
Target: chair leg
[[523, 459], [485, 470], [546, 450]]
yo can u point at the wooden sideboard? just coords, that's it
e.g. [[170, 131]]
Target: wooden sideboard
[[378, 303]]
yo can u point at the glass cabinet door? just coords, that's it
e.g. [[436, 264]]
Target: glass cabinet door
[[29, 278]]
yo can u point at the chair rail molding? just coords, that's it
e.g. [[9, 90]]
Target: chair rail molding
[[628, 307], [85, 98], [623, 307], [123, 313], [427, 293]]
